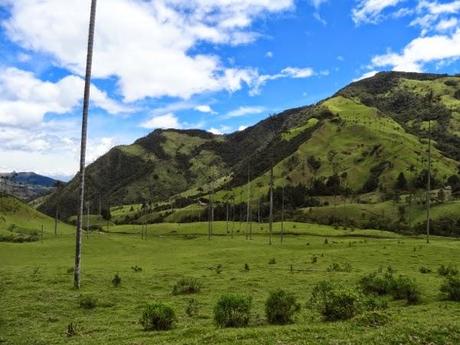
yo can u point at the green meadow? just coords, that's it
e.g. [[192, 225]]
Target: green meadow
[[38, 301]]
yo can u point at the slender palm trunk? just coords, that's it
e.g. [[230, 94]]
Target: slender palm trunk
[[248, 208], [282, 214], [56, 222], [428, 187], [270, 226], [226, 218], [84, 132]]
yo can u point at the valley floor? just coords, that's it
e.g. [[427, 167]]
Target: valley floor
[[38, 302]]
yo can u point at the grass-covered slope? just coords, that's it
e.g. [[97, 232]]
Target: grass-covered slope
[[38, 302], [20, 222]]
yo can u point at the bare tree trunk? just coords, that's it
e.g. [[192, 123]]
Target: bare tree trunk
[[233, 217], [258, 211], [282, 214], [226, 218], [87, 219], [270, 226], [56, 221], [428, 187], [84, 133], [248, 208]]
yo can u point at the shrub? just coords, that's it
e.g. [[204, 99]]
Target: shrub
[[335, 267], [186, 286], [219, 269], [272, 261], [158, 317], [72, 329], [424, 270], [116, 281], [333, 303], [451, 288], [192, 308], [405, 288], [246, 267], [88, 302], [373, 318], [449, 270], [232, 311], [376, 283], [136, 269], [373, 303], [401, 287], [280, 307]]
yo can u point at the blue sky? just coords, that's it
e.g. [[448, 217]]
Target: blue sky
[[219, 65]]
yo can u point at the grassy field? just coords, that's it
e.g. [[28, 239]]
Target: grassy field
[[38, 302]]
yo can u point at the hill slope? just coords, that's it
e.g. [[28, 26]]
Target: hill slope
[[358, 141], [26, 185]]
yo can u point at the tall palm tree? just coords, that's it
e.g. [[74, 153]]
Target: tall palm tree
[[84, 132], [428, 186]]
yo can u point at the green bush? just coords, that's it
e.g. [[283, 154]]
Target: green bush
[[116, 281], [424, 270], [449, 270], [386, 283], [232, 311], [158, 317], [88, 302], [377, 283], [451, 288], [272, 261], [192, 308], [335, 267], [186, 286], [335, 303], [405, 288], [373, 318], [281, 307]]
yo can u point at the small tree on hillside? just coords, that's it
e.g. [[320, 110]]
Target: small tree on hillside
[[401, 182]]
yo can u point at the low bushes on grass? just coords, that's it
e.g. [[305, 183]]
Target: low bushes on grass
[[116, 281], [281, 307], [186, 286], [400, 287], [232, 311], [446, 271], [335, 303], [335, 267], [451, 289], [87, 302], [424, 270], [158, 317], [192, 308], [373, 318]]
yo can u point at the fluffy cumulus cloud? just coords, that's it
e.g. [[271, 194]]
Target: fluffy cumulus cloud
[[165, 121], [421, 51], [24, 99], [438, 41], [145, 44]]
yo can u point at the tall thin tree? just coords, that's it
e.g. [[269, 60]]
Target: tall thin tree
[[428, 186], [84, 133], [270, 225], [248, 208], [282, 214]]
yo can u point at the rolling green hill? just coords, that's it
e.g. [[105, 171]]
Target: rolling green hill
[[20, 222], [357, 142]]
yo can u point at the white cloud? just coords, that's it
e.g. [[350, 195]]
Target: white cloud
[[204, 108], [145, 44], [447, 24], [421, 51], [370, 11], [165, 121], [25, 100], [269, 54], [242, 128], [317, 3], [366, 75], [288, 72], [244, 111]]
